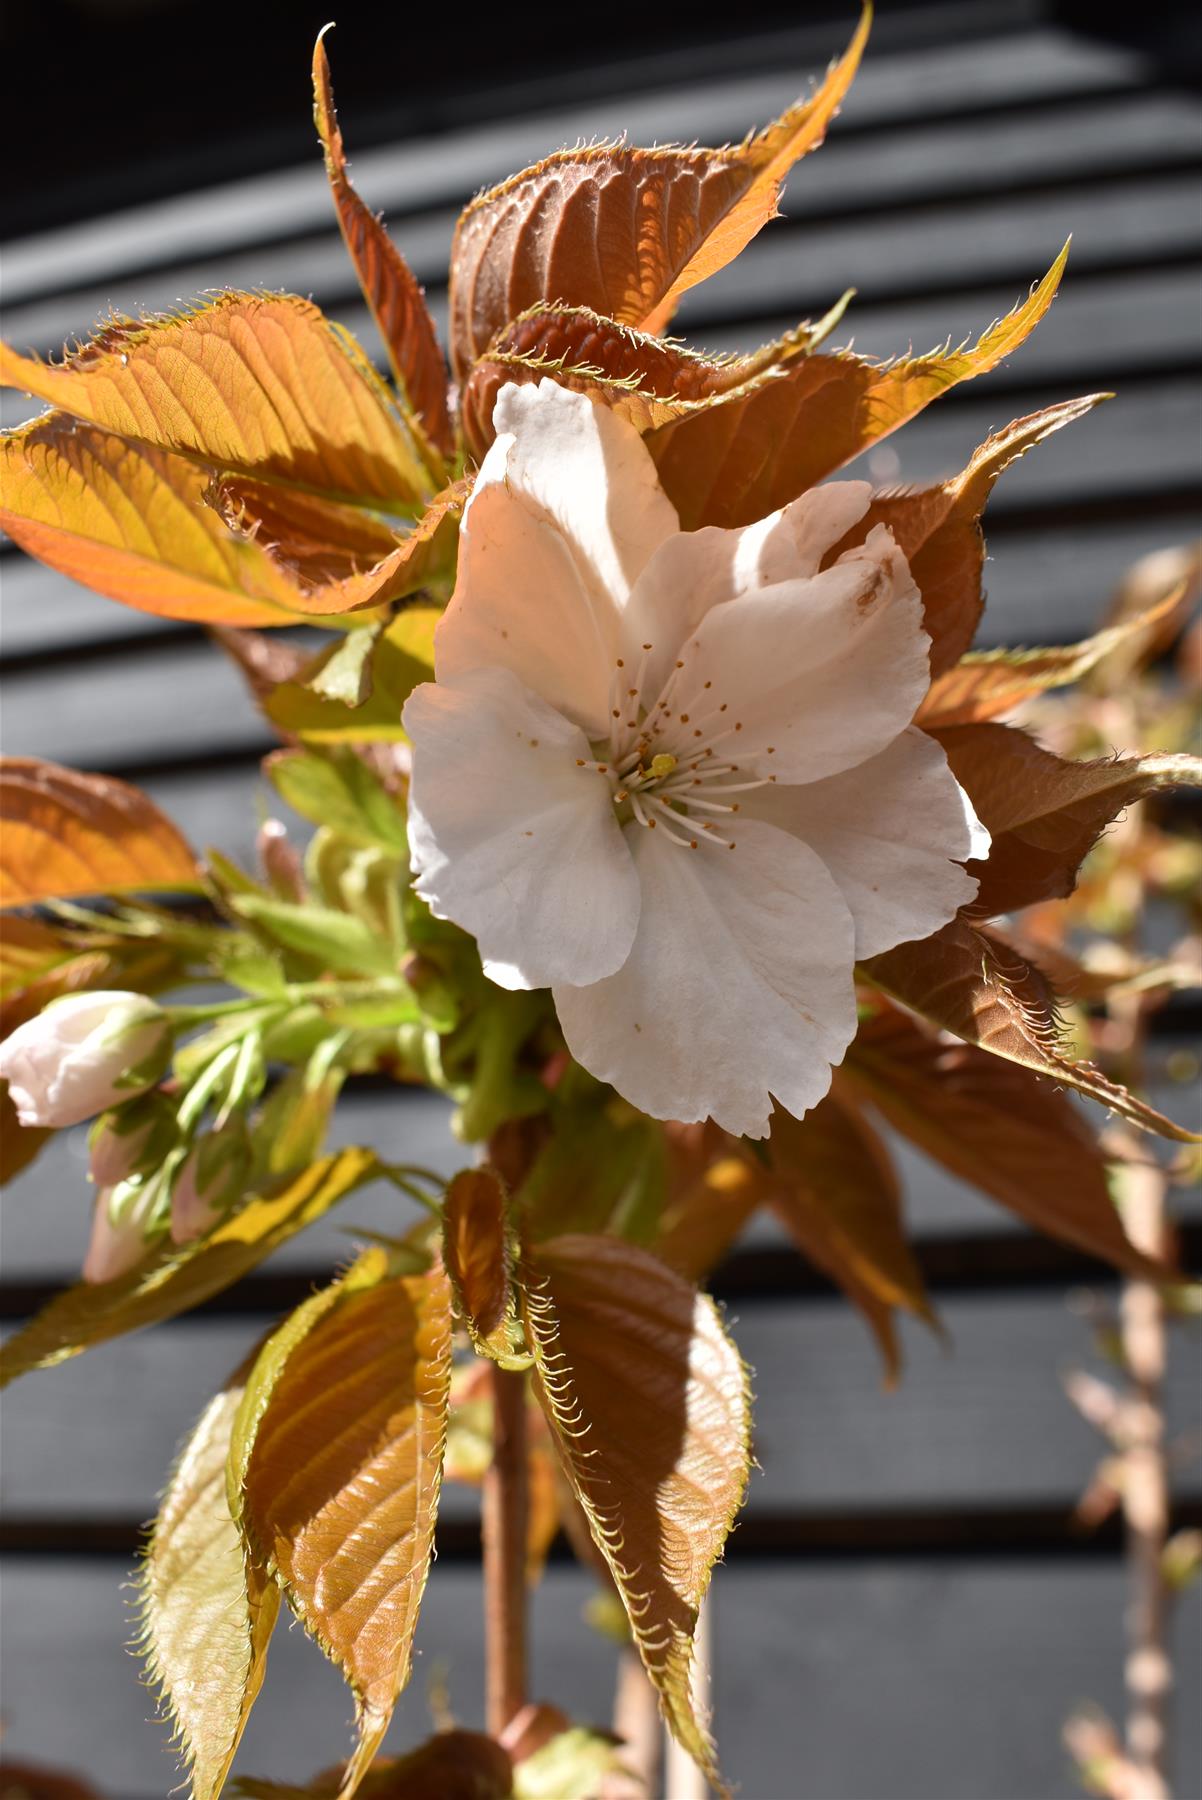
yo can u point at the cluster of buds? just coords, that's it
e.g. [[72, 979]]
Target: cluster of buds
[[102, 1056]]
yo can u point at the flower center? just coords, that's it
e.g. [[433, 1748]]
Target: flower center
[[669, 770]]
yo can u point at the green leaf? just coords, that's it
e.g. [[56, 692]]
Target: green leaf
[[174, 1280], [337, 790], [207, 1605], [358, 692], [572, 1766], [336, 940]]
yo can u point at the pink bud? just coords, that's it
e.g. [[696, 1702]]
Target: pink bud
[[82, 1054], [212, 1178], [119, 1222]]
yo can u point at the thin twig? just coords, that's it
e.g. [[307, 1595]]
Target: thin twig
[[504, 1529]]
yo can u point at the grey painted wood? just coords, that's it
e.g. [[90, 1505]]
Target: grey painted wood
[[980, 1421], [944, 1681], [929, 164], [415, 177]]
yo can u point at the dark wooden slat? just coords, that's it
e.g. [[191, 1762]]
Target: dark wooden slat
[[892, 1687], [980, 1423], [1037, 67]]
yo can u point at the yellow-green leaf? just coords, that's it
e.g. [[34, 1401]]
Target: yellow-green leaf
[[389, 285], [171, 1281], [648, 1401], [757, 447], [622, 230], [207, 1605], [161, 533], [251, 384], [396, 662], [335, 1471], [970, 982], [65, 833]]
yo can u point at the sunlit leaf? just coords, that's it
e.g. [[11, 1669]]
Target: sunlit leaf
[[400, 658], [939, 528], [455, 1765], [260, 385], [1151, 604], [335, 1470], [207, 1606], [64, 833], [336, 789], [573, 1765], [156, 532], [648, 380], [1045, 814], [968, 981], [476, 1249], [838, 1197], [648, 1401], [170, 1281], [987, 683], [622, 230], [996, 1126], [757, 447], [389, 286]]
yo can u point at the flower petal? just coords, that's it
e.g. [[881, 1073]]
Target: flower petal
[[738, 986], [566, 510], [511, 839], [694, 571], [812, 676], [893, 833]]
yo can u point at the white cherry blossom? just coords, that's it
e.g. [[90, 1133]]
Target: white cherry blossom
[[672, 775]]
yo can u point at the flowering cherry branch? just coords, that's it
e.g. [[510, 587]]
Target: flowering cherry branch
[[659, 814]]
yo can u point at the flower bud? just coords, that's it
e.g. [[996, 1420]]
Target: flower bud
[[123, 1224], [82, 1054], [212, 1179], [130, 1140]]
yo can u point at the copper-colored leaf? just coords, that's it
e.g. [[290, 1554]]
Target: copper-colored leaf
[[475, 1248], [455, 1765], [987, 683], [171, 1281], [757, 447], [25, 1781], [837, 1195], [63, 833], [648, 1402], [939, 529], [968, 981], [713, 1188], [622, 230], [390, 288], [1045, 814], [336, 1466], [254, 384], [19, 1144], [996, 1126], [208, 1606], [647, 379], [159, 533]]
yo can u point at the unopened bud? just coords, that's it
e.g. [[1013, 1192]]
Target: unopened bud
[[211, 1180], [131, 1140], [83, 1054], [280, 860], [125, 1219]]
